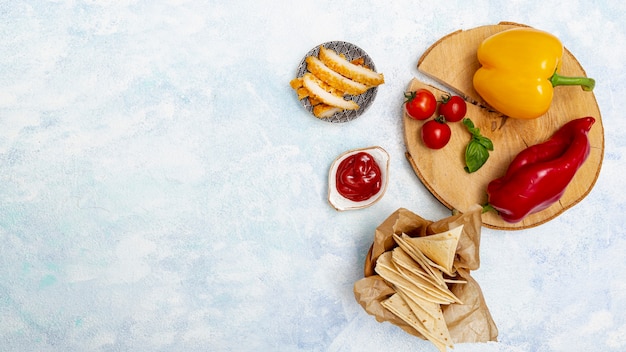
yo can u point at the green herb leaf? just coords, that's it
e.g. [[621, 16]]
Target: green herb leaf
[[476, 156], [477, 150], [470, 126], [485, 142]]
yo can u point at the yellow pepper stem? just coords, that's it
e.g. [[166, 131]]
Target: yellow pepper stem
[[586, 83]]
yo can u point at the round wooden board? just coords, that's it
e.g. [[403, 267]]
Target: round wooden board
[[452, 62]]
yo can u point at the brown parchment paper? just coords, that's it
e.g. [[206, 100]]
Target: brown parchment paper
[[467, 322]]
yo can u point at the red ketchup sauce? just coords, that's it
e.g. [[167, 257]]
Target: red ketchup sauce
[[358, 177]]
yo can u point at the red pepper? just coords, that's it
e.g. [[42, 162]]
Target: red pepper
[[539, 175]]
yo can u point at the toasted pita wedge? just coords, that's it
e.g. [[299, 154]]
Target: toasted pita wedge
[[402, 259], [407, 267], [431, 316], [455, 281], [399, 307], [441, 292], [436, 268], [440, 248], [420, 258], [387, 270]]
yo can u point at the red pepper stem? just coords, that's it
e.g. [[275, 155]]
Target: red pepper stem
[[487, 208], [586, 83]]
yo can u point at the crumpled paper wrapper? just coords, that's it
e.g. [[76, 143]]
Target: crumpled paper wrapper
[[467, 322]]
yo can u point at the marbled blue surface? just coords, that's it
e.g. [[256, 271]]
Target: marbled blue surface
[[162, 189]]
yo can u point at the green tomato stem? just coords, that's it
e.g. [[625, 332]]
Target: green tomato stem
[[586, 83], [440, 119]]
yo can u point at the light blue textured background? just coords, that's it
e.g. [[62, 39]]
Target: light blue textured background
[[161, 188]]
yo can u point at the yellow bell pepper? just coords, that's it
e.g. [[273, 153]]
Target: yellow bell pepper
[[519, 70]]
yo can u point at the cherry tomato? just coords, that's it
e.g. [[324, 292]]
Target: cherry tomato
[[435, 134], [420, 104], [452, 108]]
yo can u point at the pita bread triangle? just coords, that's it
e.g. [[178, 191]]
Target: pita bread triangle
[[388, 271], [440, 248], [412, 272], [402, 259], [437, 326], [436, 269], [442, 292], [419, 257], [398, 306]]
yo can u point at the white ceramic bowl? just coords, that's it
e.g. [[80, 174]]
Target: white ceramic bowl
[[341, 203]]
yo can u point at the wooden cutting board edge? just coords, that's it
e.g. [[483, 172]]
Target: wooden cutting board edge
[[482, 104]]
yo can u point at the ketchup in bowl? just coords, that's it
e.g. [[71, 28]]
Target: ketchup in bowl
[[358, 177]]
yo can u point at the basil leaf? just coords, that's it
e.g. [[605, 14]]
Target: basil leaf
[[470, 127], [468, 123], [485, 142], [477, 150], [476, 156]]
